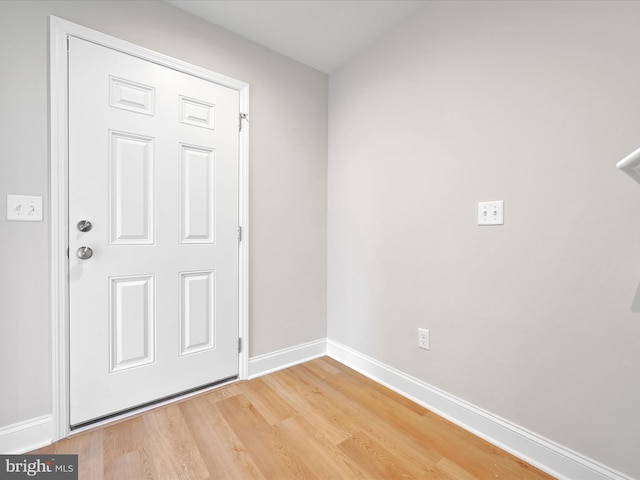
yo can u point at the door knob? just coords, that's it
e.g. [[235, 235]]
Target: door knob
[[84, 253], [84, 225]]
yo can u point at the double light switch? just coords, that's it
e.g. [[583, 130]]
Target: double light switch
[[24, 208], [491, 213]]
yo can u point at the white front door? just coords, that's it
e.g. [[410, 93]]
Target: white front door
[[153, 166]]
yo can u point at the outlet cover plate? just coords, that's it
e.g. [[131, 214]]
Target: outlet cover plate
[[424, 341]]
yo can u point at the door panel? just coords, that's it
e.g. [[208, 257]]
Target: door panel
[[153, 165], [197, 314], [132, 322], [197, 207], [131, 206]]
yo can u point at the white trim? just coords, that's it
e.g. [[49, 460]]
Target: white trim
[[285, 358], [23, 437], [243, 153], [538, 451], [58, 171], [59, 30]]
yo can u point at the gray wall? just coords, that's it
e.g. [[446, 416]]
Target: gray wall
[[288, 151], [532, 103]]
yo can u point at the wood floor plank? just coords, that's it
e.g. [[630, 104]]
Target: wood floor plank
[[222, 451], [452, 471], [466, 450], [331, 427], [126, 449], [317, 420], [173, 448], [370, 455], [316, 451], [428, 429], [267, 448], [123, 437], [376, 387], [129, 465], [89, 448], [318, 399], [321, 367], [380, 422], [269, 403]]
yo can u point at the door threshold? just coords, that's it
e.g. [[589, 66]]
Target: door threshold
[[128, 413]]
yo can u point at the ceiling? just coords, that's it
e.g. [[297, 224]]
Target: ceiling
[[323, 34]]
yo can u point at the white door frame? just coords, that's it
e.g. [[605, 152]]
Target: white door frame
[[59, 30]]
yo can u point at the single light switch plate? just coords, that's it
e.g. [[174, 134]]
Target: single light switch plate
[[23, 208], [491, 213]]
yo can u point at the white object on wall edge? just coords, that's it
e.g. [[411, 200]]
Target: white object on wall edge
[[631, 165]]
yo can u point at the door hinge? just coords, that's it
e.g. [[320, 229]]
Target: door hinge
[[243, 116], [239, 234], [239, 345]]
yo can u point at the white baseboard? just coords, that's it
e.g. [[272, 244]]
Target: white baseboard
[[544, 454], [26, 436], [274, 361]]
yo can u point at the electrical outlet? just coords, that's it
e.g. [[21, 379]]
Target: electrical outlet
[[423, 339]]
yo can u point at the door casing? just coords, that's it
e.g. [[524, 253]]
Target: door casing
[[59, 30]]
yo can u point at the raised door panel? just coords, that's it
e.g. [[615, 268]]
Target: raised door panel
[[132, 96], [197, 316], [197, 112], [198, 194], [132, 200], [132, 322]]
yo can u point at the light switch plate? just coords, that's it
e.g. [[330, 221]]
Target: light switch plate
[[24, 208], [491, 213]]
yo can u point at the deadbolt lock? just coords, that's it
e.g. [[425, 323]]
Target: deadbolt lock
[[84, 225]]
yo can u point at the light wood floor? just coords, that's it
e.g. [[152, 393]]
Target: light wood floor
[[318, 420]]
